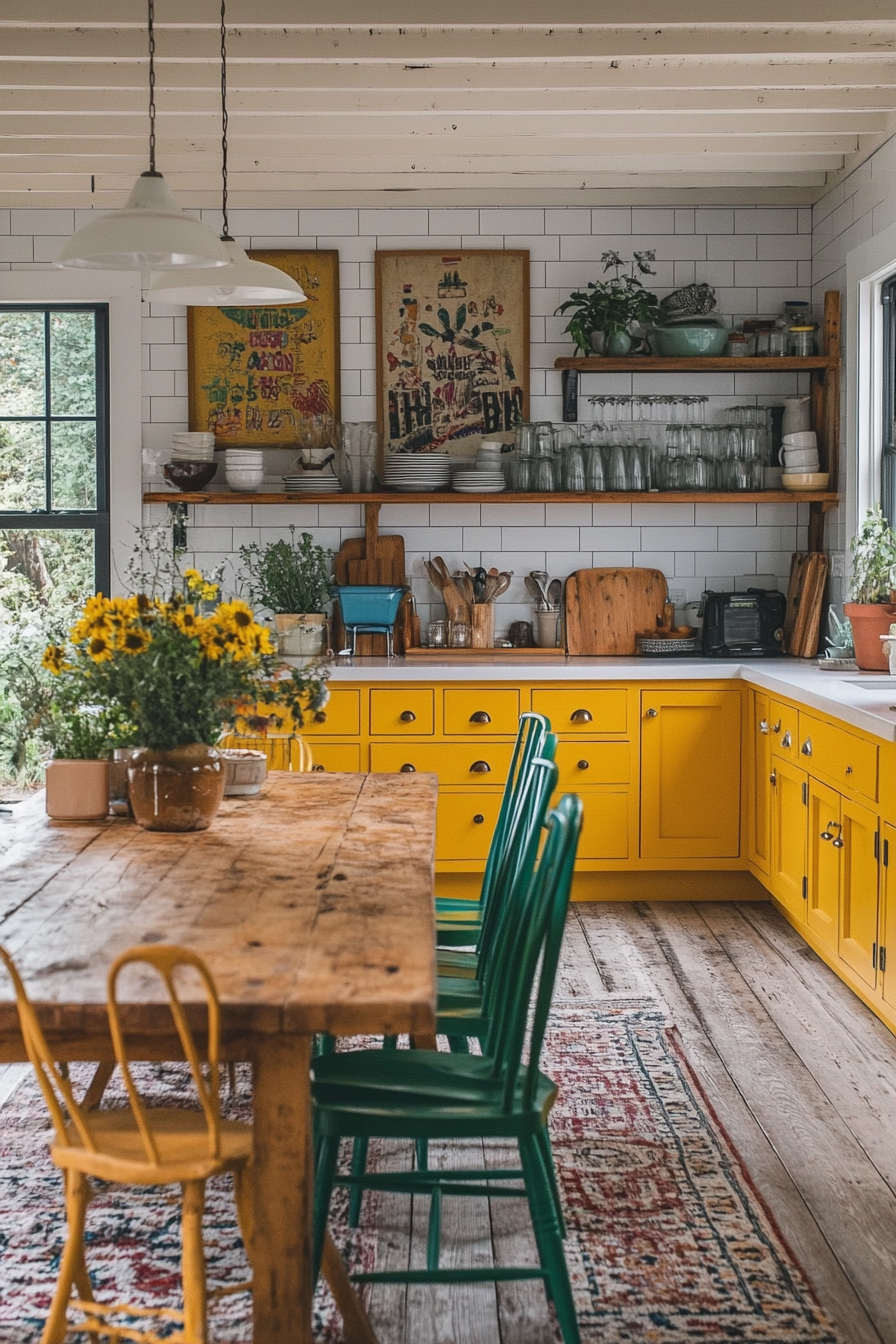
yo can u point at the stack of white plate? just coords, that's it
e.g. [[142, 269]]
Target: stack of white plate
[[410, 472], [478, 482], [311, 483], [244, 468], [196, 446]]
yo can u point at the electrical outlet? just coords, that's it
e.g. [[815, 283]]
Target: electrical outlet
[[678, 596], [838, 565]]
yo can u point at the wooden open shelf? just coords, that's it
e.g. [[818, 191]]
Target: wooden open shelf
[[698, 364], [827, 498]]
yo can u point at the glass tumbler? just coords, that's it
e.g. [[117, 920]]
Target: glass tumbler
[[437, 634], [460, 635]]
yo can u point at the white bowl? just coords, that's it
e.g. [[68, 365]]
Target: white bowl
[[806, 438], [806, 480], [244, 772], [801, 459]]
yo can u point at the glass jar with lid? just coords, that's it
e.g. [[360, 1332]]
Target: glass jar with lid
[[801, 341]]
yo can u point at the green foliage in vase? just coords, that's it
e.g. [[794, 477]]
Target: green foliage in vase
[[287, 577], [611, 306], [873, 550]]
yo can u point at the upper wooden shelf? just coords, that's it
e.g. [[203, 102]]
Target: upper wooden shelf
[[698, 364], [826, 497]]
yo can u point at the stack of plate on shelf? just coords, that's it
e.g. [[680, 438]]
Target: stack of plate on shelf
[[410, 472], [312, 483], [478, 482], [197, 446]]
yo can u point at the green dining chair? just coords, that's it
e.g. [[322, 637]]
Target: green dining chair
[[432, 1095], [459, 921]]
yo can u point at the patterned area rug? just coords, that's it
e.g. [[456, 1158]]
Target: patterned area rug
[[668, 1239]]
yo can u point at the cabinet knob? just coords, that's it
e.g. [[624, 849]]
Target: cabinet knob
[[776, 727], [583, 765], [849, 769], [580, 716], [408, 716], [480, 717], [787, 740], [763, 726], [480, 768], [773, 778], [478, 819], [806, 748], [318, 769], [839, 842], [652, 713], [408, 769], [827, 833]]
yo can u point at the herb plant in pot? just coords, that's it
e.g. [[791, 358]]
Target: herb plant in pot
[[292, 580], [604, 312], [77, 778], [873, 604]]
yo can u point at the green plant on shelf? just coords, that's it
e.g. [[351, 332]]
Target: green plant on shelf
[[612, 306]]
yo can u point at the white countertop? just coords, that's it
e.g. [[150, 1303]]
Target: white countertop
[[835, 693]]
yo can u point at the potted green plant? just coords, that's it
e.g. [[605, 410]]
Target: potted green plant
[[292, 581], [604, 311], [77, 778], [873, 601]]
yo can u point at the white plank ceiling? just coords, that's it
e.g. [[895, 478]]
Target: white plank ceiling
[[476, 102]]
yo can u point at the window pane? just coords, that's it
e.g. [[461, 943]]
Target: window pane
[[72, 364], [22, 371], [22, 465], [55, 570], [73, 458]]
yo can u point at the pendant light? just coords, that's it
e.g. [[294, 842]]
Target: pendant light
[[151, 230], [242, 282]]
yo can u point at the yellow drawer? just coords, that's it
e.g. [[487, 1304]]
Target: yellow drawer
[[784, 730], [343, 711], [591, 711], [336, 757], [481, 713], [401, 713], [465, 823], [455, 763], [605, 825], [584, 763], [847, 760]]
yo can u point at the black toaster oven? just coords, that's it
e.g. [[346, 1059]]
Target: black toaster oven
[[743, 625]]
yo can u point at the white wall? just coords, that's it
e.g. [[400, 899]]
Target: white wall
[[755, 258]]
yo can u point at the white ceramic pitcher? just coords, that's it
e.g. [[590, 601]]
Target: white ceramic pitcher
[[796, 415]]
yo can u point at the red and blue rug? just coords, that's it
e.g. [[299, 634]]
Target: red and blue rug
[[668, 1239]]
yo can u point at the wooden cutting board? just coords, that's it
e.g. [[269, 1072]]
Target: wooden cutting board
[[369, 559], [805, 595], [607, 608]]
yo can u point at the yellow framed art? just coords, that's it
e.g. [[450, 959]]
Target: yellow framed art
[[255, 372]]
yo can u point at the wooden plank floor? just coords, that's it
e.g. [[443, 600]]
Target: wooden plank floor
[[800, 1073]]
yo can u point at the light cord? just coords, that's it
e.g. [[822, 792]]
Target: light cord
[[152, 89], [226, 234]]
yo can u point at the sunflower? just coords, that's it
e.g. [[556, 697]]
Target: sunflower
[[134, 640], [99, 647], [54, 659]]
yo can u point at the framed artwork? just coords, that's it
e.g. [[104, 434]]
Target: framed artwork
[[452, 347], [255, 372]]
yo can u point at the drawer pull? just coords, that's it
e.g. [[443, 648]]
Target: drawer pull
[[839, 842], [408, 769], [480, 768], [776, 727], [580, 716], [318, 769], [806, 748], [480, 717], [773, 778], [787, 740], [478, 819], [583, 765], [652, 713], [408, 716], [763, 727], [849, 769], [827, 833]]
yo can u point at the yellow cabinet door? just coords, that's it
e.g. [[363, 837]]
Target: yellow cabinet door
[[465, 824], [405, 713], [859, 878], [758, 747], [823, 872], [588, 763], [787, 868], [886, 958], [690, 774], [605, 824]]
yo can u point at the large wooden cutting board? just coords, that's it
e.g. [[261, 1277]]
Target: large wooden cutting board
[[607, 608], [805, 596]]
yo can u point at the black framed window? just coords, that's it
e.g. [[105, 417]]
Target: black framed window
[[888, 415], [54, 447]]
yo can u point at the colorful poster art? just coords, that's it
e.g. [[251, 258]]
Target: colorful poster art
[[452, 348], [255, 373]]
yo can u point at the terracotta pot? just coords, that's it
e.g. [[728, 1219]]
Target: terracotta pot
[[176, 790], [78, 790], [869, 621]]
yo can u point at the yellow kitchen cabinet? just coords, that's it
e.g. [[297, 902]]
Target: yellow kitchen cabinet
[[402, 713], [844, 759], [465, 824], [690, 773], [593, 711], [758, 786], [481, 712], [455, 763], [824, 847], [333, 757], [787, 868], [784, 729], [607, 830], [859, 880], [584, 764], [886, 951]]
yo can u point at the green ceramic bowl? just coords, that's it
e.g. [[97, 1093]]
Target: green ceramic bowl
[[680, 342]]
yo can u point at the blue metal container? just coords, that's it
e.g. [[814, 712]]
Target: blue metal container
[[369, 604]]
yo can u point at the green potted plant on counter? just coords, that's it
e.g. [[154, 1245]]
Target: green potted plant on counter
[[872, 607], [292, 581], [604, 312], [77, 777]]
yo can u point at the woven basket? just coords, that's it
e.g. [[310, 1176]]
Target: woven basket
[[692, 301]]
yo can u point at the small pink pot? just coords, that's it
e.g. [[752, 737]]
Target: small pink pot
[[77, 790]]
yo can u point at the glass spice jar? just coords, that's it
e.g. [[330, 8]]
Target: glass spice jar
[[802, 341]]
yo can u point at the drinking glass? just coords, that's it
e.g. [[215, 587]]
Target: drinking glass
[[635, 468], [595, 477], [437, 634], [617, 474], [460, 635], [574, 468]]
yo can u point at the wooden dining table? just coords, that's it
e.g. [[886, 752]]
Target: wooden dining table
[[312, 905]]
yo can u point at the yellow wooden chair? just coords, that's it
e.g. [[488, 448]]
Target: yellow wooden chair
[[285, 751], [140, 1146]]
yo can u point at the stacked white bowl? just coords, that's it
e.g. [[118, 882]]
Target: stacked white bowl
[[799, 457], [192, 446], [413, 472], [490, 457], [244, 468]]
